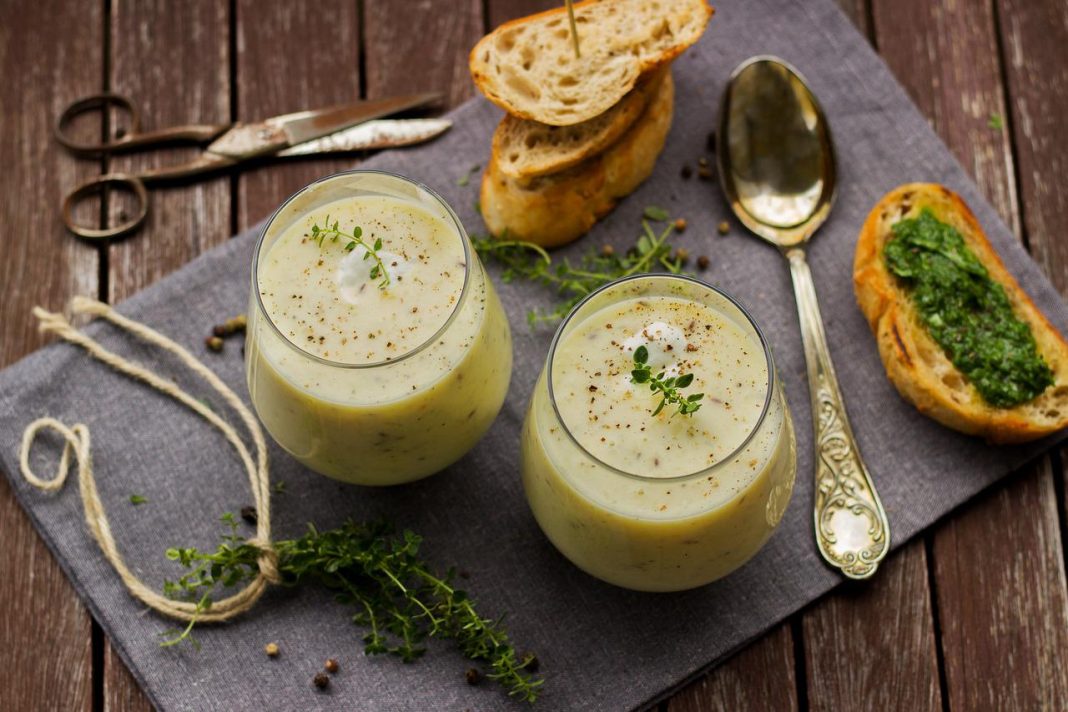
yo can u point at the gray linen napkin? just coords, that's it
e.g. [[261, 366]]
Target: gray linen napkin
[[601, 648]]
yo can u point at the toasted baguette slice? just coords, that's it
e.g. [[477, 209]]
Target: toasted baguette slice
[[528, 66], [555, 209], [915, 363], [527, 149]]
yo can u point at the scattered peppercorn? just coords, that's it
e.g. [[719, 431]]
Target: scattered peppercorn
[[702, 162], [607, 250], [214, 343], [680, 224], [710, 142], [704, 173], [331, 666], [271, 649], [702, 262], [724, 227], [530, 662], [249, 514], [686, 173], [321, 680], [473, 676], [682, 255]]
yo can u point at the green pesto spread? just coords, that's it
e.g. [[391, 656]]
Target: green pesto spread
[[966, 312]]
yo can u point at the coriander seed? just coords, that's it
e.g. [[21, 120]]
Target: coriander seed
[[682, 255], [331, 666], [686, 173], [702, 262], [704, 173], [607, 250], [271, 649], [724, 227], [321, 680], [680, 224], [214, 343], [473, 676]]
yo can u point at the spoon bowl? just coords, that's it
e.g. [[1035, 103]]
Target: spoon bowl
[[778, 171], [775, 153]]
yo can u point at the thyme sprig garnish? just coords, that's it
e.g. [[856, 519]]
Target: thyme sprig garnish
[[668, 388], [572, 282], [334, 233], [396, 596]]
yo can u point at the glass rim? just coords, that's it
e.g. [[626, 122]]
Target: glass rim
[[461, 232], [769, 362]]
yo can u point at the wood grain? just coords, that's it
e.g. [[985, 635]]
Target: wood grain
[[42, 265], [999, 564], [871, 645], [760, 677], [501, 11], [421, 46], [1034, 37], [282, 71], [173, 60]]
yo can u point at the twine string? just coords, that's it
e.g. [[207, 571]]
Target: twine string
[[77, 445]]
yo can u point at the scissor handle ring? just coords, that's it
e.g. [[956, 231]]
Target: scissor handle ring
[[132, 184], [91, 103]]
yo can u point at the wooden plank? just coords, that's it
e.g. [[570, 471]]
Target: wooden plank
[[871, 645], [421, 46], [501, 11], [760, 677], [172, 60], [999, 576], [1034, 36], [42, 265], [279, 71]]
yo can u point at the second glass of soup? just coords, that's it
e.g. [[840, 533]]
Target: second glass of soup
[[658, 501], [377, 352]]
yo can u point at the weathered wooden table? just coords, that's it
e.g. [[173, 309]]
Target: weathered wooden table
[[972, 616]]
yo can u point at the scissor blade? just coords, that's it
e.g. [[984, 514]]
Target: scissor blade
[[310, 125], [270, 136], [384, 133]]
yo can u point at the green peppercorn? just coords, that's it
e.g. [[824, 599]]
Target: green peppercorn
[[271, 649], [214, 343], [724, 227]]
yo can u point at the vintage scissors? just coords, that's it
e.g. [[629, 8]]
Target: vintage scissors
[[350, 127]]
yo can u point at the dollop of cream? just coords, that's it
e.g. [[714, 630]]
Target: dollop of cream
[[353, 276], [665, 343]]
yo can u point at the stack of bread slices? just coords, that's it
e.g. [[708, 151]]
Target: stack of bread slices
[[581, 131]]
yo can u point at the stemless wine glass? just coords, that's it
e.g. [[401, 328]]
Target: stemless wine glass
[[401, 417], [650, 521]]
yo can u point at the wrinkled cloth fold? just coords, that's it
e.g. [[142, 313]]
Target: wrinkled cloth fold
[[601, 648]]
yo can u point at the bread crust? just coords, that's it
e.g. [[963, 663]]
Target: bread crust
[[568, 145], [626, 70], [914, 362], [556, 209]]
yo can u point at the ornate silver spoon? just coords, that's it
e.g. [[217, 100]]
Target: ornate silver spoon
[[777, 167]]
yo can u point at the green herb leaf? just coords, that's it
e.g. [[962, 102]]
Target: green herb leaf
[[570, 281], [996, 121], [354, 238], [394, 594], [667, 388], [137, 499], [653, 212]]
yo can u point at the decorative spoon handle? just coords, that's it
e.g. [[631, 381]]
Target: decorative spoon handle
[[852, 531]]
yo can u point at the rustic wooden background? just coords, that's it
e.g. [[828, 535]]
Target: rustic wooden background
[[974, 615]]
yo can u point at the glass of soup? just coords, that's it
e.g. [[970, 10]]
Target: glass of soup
[[668, 500], [377, 350]]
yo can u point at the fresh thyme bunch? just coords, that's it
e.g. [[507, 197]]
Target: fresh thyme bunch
[[668, 388], [573, 282], [395, 594]]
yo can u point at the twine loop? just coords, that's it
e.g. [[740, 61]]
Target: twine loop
[[76, 444]]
